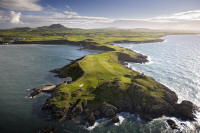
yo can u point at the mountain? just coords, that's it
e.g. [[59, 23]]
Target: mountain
[[51, 28], [57, 26]]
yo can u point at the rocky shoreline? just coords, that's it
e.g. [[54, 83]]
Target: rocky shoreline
[[139, 42], [145, 103], [85, 45], [167, 106], [37, 91]]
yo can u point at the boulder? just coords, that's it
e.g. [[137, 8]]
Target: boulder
[[115, 119], [97, 113], [172, 124], [185, 110], [91, 119], [35, 92], [77, 110], [108, 110]]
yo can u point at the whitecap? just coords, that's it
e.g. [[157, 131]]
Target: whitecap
[[121, 119], [150, 60], [184, 126], [97, 123]]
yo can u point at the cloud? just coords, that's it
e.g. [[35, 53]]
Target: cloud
[[71, 13], [189, 15], [185, 16], [10, 19], [15, 17], [67, 18], [189, 20], [21, 5], [51, 8]]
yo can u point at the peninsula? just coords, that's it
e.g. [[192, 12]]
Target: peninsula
[[101, 84]]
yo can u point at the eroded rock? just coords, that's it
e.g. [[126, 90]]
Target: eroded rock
[[172, 124], [115, 119], [185, 110], [108, 110]]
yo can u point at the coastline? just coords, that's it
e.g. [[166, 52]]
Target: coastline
[[98, 85], [88, 114], [145, 115]]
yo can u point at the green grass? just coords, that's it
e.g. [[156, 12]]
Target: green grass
[[99, 69], [93, 71], [101, 36], [76, 38]]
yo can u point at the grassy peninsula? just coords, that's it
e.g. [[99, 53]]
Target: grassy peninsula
[[102, 85]]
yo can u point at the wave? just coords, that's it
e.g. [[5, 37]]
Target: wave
[[150, 60], [183, 126], [122, 117], [97, 123]]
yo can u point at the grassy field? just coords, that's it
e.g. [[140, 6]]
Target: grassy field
[[97, 70], [102, 77], [58, 32]]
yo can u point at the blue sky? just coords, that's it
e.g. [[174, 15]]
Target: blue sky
[[124, 8], [100, 13]]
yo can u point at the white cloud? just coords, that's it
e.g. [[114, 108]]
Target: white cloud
[[71, 13], [15, 17], [10, 19], [21, 5], [189, 20], [185, 16], [51, 8], [189, 15], [67, 18]]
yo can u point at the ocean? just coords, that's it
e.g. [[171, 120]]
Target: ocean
[[174, 62]]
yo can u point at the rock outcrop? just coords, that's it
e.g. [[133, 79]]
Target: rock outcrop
[[172, 124], [123, 57], [131, 100], [37, 91], [102, 87]]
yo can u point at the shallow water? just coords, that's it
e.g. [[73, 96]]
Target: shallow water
[[175, 62]]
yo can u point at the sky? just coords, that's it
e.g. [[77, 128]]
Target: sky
[[154, 14]]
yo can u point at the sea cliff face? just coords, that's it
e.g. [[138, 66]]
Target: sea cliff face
[[102, 87]]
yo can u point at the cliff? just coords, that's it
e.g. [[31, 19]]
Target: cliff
[[102, 86]]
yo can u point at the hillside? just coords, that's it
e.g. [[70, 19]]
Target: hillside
[[57, 32], [102, 85]]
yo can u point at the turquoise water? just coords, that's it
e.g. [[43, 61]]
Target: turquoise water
[[174, 62]]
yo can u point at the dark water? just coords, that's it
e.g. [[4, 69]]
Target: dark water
[[22, 68], [175, 62]]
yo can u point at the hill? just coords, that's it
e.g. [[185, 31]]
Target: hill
[[102, 86]]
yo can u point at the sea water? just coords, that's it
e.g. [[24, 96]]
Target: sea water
[[25, 67], [174, 62]]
